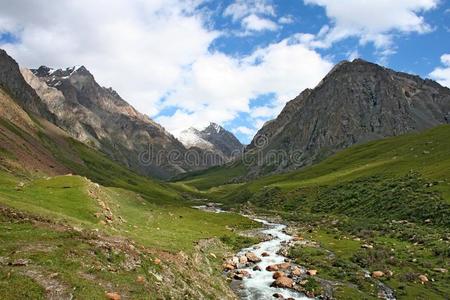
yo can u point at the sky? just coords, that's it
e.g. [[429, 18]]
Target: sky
[[232, 62]]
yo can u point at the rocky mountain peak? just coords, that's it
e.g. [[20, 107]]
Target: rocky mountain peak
[[356, 102], [213, 138]]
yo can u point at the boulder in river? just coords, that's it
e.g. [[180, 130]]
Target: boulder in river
[[272, 268], [265, 254], [283, 266], [228, 267], [296, 271], [257, 268], [252, 257], [243, 260], [278, 274], [283, 282], [278, 296]]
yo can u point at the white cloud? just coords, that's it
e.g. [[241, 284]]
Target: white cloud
[[218, 87], [242, 8], [286, 20], [156, 55], [253, 15], [244, 130], [255, 23], [140, 48], [373, 21], [442, 74]]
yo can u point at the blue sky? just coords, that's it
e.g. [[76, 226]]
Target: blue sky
[[186, 63]]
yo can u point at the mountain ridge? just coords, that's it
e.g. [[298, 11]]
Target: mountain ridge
[[356, 102]]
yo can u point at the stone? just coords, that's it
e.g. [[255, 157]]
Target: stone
[[423, 279], [265, 254], [140, 279], [252, 257], [113, 296], [283, 266], [311, 272], [272, 268], [228, 267], [278, 296], [278, 274], [283, 282], [296, 271], [366, 246], [157, 261], [243, 260], [257, 268], [377, 274], [20, 262]]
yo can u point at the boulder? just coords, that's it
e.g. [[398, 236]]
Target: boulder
[[238, 276], [265, 254], [377, 274], [278, 274], [283, 266], [235, 260], [366, 246], [228, 267], [296, 271], [278, 296], [252, 257], [157, 261], [312, 272], [257, 268], [283, 282], [113, 296], [243, 260], [272, 268]]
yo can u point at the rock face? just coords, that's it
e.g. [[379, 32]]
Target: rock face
[[12, 82], [356, 102], [99, 117], [213, 139]]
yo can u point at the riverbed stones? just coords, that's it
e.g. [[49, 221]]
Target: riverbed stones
[[228, 267], [272, 268], [283, 282], [252, 257], [283, 266], [296, 271], [257, 268], [278, 274], [243, 260]]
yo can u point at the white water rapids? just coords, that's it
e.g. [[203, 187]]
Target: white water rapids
[[257, 286]]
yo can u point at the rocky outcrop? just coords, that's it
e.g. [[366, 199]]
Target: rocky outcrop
[[12, 82], [356, 102], [99, 117]]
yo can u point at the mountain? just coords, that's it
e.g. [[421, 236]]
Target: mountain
[[99, 117], [213, 139], [356, 102]]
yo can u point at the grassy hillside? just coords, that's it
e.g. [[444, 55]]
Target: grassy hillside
[[72, 220], [392, 194]]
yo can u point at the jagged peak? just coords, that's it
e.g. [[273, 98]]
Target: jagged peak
[[44, 71]]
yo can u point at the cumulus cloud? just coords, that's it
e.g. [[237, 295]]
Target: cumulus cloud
[[140, 48], [286, 19], [255, 23], [241, 8], [223, 86], [157, 55], [442, 74], [253, 15], [373, 21]]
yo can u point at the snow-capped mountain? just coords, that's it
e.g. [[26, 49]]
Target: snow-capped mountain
[[213, 138]]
